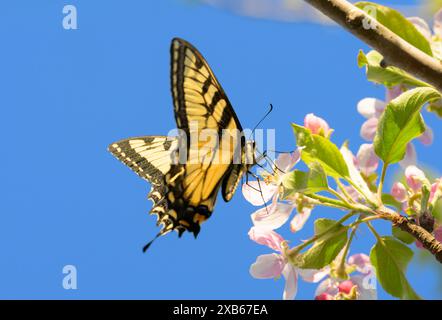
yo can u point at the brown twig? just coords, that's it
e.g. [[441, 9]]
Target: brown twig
[[427, 239], [395, 50]]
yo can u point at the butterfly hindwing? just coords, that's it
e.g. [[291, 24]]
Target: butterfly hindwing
[[149, 157]]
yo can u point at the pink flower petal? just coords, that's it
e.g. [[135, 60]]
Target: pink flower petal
[[436, 190], [287, 161], [266, 237], [316, 124], [252, 194], [300, 219], [272, 217], [291, 282], [410, 156], [362, 262], [399, 192], [427, 137], [393, 93], [267, 266], [438, 23], [371, 107], [415, 177], [421, 26], [366, 159], [312, 275], [369, 128]]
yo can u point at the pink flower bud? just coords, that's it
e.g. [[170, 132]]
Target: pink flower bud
[[415, 177], [346, 286], [399, 192], [317, 125], [324, 296]]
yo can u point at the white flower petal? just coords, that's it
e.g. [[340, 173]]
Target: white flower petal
[[267, 266], [369, 107], [273, 216], [258, 193], [286, 161], [366, 286], [300, 219], [369, 129], [327, 286], [291, 282], [266, 237], [361, 261], [366, 159], [312, 275]]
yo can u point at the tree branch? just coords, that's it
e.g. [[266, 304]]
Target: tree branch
[[396, 51], [427, 239]]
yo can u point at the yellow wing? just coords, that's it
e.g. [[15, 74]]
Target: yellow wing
[[200, 104]]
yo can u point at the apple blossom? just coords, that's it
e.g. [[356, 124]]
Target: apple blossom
[[372, 110], [334, 288], [317, 125], [268, 266]]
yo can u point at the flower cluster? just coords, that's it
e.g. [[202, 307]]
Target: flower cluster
[[418, 198], [274, 215]]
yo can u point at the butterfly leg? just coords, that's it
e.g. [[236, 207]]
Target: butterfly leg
[[259, 186]]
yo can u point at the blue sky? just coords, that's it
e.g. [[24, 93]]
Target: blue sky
[[67, 94]]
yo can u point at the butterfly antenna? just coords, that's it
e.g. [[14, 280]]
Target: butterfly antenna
[[262, 119]]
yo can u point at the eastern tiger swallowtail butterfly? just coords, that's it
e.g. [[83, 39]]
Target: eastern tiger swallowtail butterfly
[[184, 192]]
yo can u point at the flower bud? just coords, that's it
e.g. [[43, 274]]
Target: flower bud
[[399, 192], [415, 177], [317, 125], [346, 286]]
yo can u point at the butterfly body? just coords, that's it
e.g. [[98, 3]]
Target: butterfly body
[[210, 153]]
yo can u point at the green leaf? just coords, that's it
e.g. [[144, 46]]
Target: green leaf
[[388, 76], [401, 122], [317, 149], [327, 247], [402, 235], [355, 174], [398, 24], [389, 200], [390, 258], [308, 182]]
